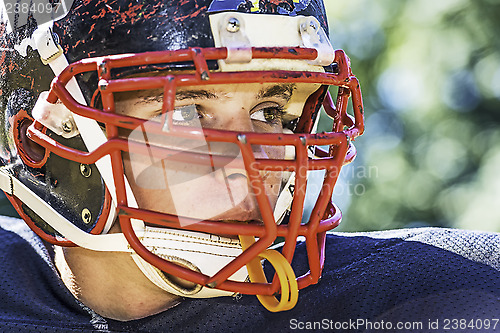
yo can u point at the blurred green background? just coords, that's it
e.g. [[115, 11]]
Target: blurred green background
[[430, 77]]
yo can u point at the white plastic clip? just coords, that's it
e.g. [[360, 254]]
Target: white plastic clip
[[55, 117], [313, 36], [233, 37]]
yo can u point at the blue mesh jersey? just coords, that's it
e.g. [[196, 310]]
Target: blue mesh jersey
[[414, 280]]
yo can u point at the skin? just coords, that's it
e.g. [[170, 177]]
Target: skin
[[167, 185], [110, 282]]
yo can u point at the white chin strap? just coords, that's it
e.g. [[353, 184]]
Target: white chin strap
[[199, 252]]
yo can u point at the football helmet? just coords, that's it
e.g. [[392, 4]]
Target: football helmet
[[75, 165]]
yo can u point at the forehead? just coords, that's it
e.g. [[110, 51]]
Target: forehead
[[258, 90]]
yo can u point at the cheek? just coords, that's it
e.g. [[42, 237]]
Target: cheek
[[185, 191], [265, 127], [272, 179], [145, 196], [273, 184]]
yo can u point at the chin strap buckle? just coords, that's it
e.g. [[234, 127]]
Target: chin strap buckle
[[286, 276], [48, 48]]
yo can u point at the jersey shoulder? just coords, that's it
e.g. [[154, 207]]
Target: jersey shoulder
[[33, 297]]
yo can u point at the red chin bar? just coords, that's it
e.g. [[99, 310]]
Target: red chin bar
[[325, 215]]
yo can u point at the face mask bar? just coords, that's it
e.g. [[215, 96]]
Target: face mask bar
[[324, 216]]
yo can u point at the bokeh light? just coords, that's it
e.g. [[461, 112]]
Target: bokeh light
[[430, 76]]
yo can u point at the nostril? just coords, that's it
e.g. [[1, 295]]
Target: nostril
[[232, 177], [236, 175]]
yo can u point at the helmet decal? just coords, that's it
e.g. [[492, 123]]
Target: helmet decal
[[281, 7], [288, 7]]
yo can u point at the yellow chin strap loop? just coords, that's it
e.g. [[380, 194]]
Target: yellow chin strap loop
[[286, 276]]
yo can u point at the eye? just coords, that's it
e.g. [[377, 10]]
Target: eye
[[186, 114], [267, 112]]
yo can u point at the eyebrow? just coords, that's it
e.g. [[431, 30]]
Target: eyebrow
[[197, 94], [283, 91]]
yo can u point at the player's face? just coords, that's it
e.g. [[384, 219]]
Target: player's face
[[202, 190]]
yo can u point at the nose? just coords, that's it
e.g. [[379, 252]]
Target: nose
[[243, 205], [233, 117], [234, 177]]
